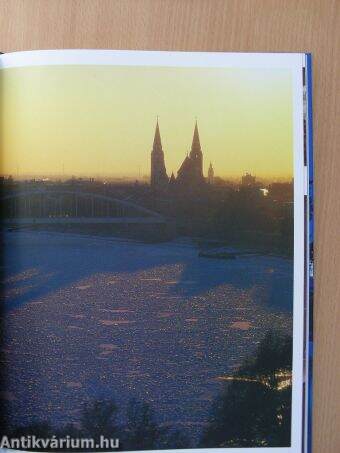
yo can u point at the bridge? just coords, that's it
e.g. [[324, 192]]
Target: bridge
[[48, 207]]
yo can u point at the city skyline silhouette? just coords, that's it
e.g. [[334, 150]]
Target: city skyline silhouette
[[100, 120]]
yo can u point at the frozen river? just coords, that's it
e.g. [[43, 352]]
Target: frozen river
[[91, 318]]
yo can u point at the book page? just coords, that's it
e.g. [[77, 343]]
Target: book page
[[153, 250]]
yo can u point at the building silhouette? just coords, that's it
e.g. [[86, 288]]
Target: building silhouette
[[248, 180], [210, 174], [189, 175], [172, 180], [159, 178]]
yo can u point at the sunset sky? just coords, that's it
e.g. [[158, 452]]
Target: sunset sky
[[100, 120]]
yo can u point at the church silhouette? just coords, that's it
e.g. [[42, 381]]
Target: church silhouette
[[190, 173]]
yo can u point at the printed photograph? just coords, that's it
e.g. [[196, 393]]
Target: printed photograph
[[147, 270]]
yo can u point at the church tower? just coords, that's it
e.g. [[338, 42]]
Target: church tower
[[210, 174], [159, 178], [196, 155], [190, 173]]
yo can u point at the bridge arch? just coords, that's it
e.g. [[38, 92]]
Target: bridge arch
[[58, 206]]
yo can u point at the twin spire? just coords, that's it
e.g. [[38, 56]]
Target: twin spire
[[189, 175], [195, 146]]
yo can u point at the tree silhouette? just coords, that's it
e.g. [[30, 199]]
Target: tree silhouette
[[143, 433], [255, 407], [99, 419], [253, 410]]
